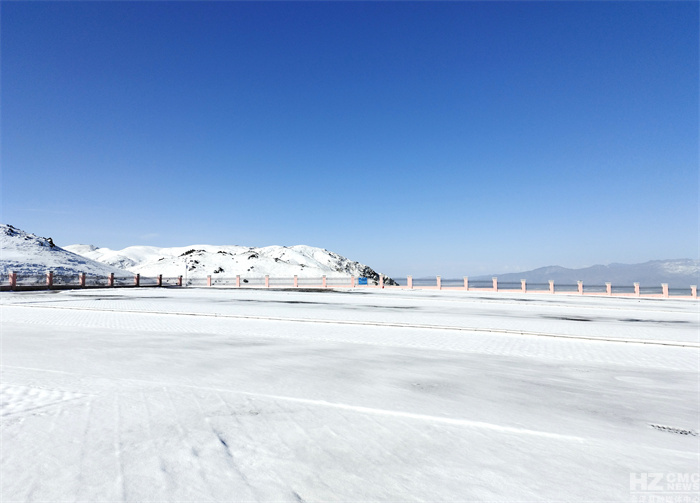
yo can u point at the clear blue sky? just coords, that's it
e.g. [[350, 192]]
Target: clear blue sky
[[455, 138]]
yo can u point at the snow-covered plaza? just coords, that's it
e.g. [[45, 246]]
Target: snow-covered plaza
[[264, 395]]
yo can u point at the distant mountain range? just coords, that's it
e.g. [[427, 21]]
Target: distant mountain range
[[28, 254], [679, 273], [200, 261]]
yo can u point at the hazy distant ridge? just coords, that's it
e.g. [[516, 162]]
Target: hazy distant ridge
[[678, 273]]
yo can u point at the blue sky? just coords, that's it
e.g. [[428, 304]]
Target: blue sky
[[454, 138]]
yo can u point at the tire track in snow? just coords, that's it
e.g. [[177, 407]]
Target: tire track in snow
[[185, 439], [147, 418], [195, 451], [118, 448], [341, 406], [386, 455], [264, 475], [230, 455], [36, 482], [83, 447], [308, 440], [217, 439]]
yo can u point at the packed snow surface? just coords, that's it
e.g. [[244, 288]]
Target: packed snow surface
[[263, 395]]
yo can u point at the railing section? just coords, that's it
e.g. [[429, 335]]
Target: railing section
[[62, 280]]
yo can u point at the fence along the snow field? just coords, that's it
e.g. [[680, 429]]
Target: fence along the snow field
[[14, 281]]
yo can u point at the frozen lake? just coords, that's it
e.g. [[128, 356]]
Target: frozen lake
[[263, 395]]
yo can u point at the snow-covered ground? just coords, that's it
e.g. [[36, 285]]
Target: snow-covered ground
[[260, 395]]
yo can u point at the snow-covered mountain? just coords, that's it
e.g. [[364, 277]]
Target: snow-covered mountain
[[678, 273], [28, 254], [200, 261], [31, 255]]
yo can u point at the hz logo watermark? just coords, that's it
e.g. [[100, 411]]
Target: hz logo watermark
[[665, 487]]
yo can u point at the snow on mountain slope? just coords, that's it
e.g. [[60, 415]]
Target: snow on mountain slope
[[200, 261], [28, 254], [683, 266]]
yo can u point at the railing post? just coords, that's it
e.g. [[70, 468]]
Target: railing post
[[580, 287], [664, 289], [81, 279], [409, 282], [296, 281], [694, 291], [381, 281], [238, 281], [608, 288], [110, 279], [466, 282], [137, 280], [636, 289], [160, 280], [323, 281], [439, 283], [495, 284], [352, 281], [209, 280], [49, 279], [13, 280], [267, 281], [551, 286], [179, 281], [523, 285]]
